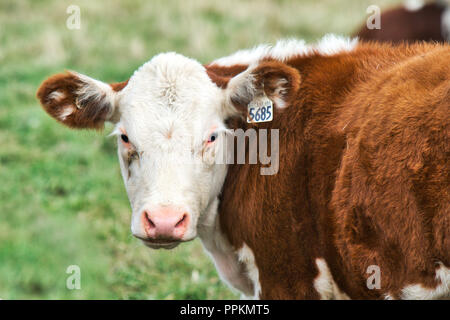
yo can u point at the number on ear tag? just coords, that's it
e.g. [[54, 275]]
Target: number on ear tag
[[260, 110]]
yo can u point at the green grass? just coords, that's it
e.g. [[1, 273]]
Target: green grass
[[62, 200]]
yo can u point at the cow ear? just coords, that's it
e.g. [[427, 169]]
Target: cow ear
[[278, 81], [79, 101]]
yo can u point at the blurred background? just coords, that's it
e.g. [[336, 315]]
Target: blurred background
[[62, 199]]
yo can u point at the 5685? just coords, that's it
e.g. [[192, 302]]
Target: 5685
[[260, 114]]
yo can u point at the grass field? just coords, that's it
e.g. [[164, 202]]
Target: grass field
[[62, 200]]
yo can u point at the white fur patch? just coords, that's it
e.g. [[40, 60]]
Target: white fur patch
[[287, 48], [66, 111], [279, 92], [442, 291], [95, 90], [241, 86], [56, 95], [325, 285], [331, 44], [245, 255], [216, 244], [414, 5]]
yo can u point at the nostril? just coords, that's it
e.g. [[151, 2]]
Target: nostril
[[165, 224], [181, 222], [150, 222]]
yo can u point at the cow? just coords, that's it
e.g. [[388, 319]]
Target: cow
[[415, 21], [358, 206]]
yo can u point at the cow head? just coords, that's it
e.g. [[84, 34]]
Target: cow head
[[170, 126]]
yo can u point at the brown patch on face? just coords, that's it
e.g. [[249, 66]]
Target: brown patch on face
[[132, 155]]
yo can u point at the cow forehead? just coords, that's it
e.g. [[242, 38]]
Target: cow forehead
[[170, 80], [169, 95]]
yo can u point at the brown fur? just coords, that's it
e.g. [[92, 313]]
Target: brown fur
[[363, 180], [267, 76], [119, 85], [87, 113], [221, 75], [399, 25]]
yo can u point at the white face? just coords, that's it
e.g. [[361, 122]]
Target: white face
[[170, 129]]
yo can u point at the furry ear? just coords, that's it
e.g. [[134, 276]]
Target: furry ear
[[278, 81], [79, 101]]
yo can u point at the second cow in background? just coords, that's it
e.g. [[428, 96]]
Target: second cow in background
[[415, 21]]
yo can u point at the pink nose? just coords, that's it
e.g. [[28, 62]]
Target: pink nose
[[165, 223]]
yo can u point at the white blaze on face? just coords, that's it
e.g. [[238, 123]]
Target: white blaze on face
[[168, 111]]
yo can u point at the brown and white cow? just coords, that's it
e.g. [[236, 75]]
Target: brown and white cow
[[363, 184], [417, 20]]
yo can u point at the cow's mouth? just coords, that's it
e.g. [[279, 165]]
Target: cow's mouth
[[161, 244]]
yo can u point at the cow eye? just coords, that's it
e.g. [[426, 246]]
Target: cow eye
[[212, 137], [124, 138]]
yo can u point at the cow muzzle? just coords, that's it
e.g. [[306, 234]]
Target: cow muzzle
[[164, 226]]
